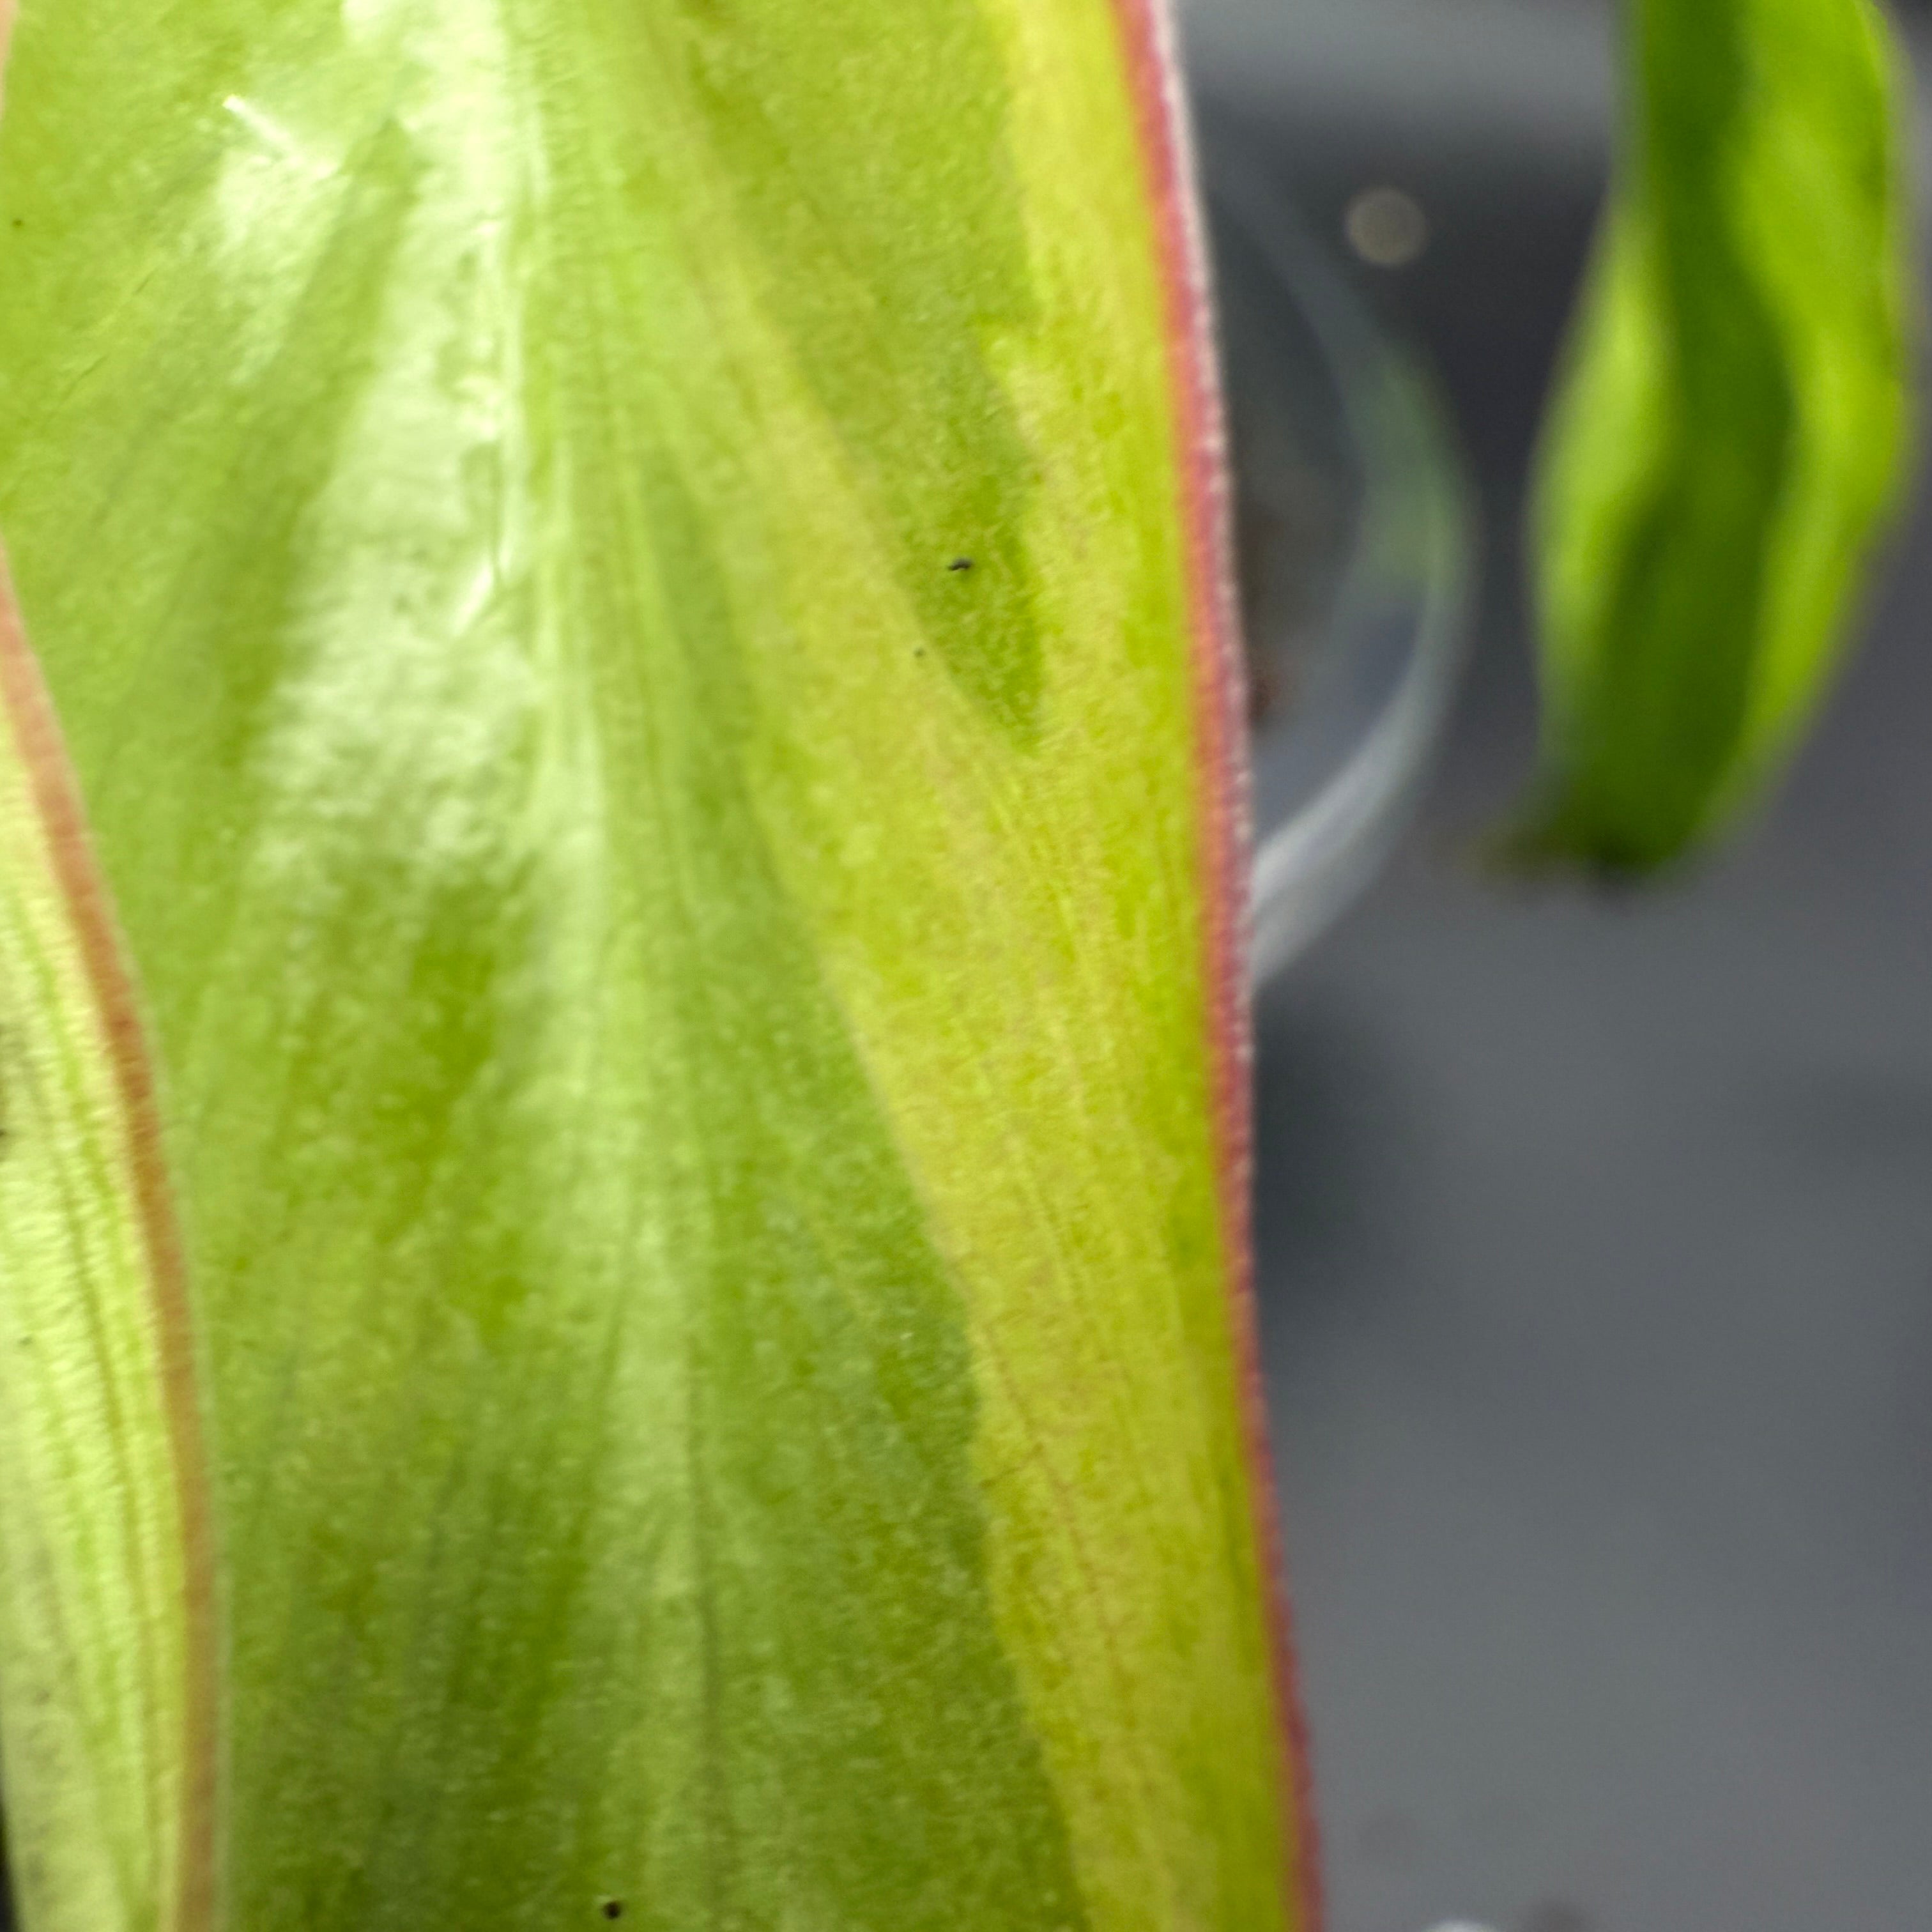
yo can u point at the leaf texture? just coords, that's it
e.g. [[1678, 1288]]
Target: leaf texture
[[634, 593], [1730, 434]]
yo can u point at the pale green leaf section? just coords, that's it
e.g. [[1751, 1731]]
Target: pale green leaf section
[[681, 1013], [1729, 435], [97, 1617]]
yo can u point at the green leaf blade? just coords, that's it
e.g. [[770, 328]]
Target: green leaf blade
[[688, 1038], [1730, 431], [107, 1637]]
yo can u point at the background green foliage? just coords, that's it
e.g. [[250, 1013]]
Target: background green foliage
[[1730, 432]]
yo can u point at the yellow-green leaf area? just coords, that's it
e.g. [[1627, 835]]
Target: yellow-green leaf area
[[679, 1012]]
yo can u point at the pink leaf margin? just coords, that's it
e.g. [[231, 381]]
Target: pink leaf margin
[[1219, 682]]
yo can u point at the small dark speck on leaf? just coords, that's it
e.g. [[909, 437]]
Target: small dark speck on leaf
[[961, 563], [614, 1908]]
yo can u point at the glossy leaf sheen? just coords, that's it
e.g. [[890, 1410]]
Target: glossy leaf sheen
[[1730, 431], [618, 583]]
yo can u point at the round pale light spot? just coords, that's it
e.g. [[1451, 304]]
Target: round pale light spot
[[1386, 227]]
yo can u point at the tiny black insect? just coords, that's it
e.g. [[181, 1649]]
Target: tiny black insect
[[961, 563]]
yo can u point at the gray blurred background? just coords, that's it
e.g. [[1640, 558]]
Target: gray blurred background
[[1596, 1238]]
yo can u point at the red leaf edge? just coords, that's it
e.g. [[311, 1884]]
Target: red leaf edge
[[1220, 680]]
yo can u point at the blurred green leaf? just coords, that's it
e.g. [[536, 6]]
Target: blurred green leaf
[[1728, 435], [631, 592]]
